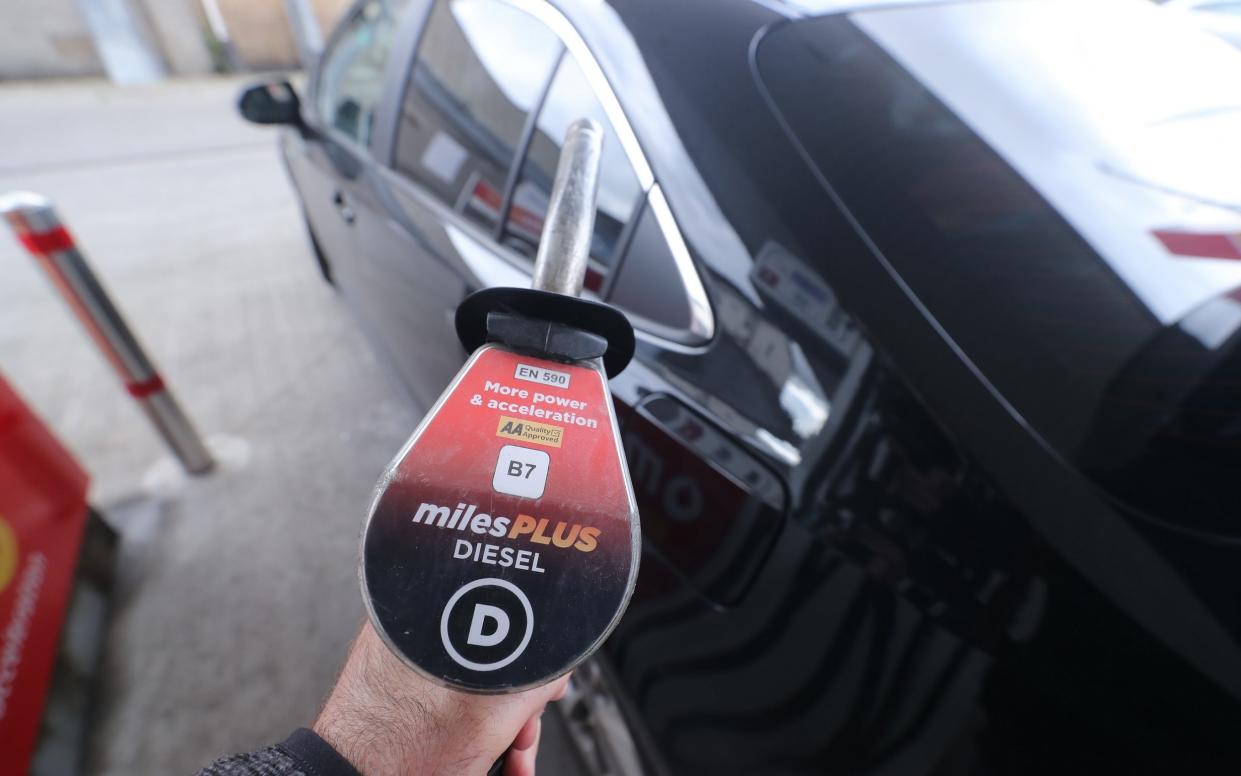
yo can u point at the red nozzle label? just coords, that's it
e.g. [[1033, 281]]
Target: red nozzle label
[[502, 546]]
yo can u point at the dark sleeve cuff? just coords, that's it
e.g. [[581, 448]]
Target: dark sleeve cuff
[[317, 756]]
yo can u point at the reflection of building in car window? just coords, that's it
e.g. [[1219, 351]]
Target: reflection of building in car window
[[481, 68], [571, 97], [352, 75]]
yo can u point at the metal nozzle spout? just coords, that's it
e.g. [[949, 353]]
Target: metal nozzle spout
[[565, 247]]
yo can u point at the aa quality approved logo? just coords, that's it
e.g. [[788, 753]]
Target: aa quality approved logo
[[487, 624]]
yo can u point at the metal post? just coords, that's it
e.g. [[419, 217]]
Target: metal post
[[306, 32], [35, 222], [219, 30], [560, 265]]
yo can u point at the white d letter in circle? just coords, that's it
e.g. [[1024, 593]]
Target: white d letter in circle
[[483, 616], [483, 613]]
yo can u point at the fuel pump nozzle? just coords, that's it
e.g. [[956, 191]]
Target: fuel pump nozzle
[[550, 319], [502, 542], [560, 265]]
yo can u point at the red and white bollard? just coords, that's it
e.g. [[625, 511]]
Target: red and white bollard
[[34, 220]]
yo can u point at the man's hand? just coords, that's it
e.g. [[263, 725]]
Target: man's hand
[[388, 720]]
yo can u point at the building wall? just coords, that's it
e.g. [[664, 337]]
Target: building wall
[[329, 12], [260, 31], [179, 27], [45, 38], [262, 34], [48, 38]]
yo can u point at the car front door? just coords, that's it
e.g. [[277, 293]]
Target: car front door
[[329, 165]]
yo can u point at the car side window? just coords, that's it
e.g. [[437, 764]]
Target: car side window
[[570, 97], [482, 66], [351, 78]]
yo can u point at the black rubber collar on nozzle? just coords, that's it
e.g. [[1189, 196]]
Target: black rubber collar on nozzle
[[592, 317]]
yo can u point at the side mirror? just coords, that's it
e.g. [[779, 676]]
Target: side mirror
[[271, 103]]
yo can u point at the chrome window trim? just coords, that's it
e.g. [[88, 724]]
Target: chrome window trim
[[574, 43], [701, 316]]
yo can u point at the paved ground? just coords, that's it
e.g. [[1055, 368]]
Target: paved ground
[[238, 590]]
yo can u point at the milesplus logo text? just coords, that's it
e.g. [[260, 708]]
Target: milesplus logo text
[[526, 527]]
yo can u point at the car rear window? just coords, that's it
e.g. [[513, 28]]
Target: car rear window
[[1010, 161]]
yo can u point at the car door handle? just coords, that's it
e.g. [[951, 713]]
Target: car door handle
[[343, 207]]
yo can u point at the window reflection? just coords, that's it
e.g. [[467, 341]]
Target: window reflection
[[481, 68], [569, 98]]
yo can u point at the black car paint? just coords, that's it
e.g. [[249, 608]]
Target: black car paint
[[929, 589]]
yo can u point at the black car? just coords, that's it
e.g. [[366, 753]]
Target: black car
[[935, 417]]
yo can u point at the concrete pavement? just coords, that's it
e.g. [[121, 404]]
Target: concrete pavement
[[238, 591]]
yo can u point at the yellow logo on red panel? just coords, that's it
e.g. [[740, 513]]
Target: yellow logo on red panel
[[529, 431], [8, 554]]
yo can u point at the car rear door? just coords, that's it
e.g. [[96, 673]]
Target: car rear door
[[476, 136], [474, 148], [468, 159], [458, 126]]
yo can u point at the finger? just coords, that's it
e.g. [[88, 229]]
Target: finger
[[562, 688], [521, 762], [528, 736]]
